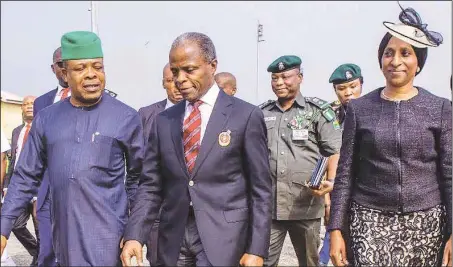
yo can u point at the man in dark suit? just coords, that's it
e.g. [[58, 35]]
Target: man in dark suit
[[46, 253], [206, 165], [227, 82], [148, 113], [19, 137]]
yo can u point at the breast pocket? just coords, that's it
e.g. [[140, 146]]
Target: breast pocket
[[101, 151], [270, 126]]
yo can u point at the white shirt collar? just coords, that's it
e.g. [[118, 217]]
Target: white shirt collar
[[59, 89], [168, 104], [210, 97]]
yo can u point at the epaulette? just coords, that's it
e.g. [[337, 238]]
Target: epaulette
[[111, 93], [335, 104], [327, 111], [318, 102], [265, 104]]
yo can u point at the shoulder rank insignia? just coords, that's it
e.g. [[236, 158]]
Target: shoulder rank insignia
[[318, 102], [265, 104], [329, 114], [111, 93]]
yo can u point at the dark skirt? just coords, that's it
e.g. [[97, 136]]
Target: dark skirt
[[381, 238]]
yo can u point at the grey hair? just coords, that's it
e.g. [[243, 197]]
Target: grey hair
[[202, 40]]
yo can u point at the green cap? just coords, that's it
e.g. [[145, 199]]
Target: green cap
[[284, 63], [345, 73], [80, 45]]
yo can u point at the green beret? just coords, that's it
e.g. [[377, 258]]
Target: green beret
[[80, 45], [284, 63], [345, 73]]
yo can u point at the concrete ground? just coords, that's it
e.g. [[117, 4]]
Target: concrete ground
[[22, 258]]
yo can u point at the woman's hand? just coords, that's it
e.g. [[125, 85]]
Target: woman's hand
[[338, 249], [446, 261]]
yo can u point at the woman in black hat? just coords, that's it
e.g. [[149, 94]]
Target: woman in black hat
[[393, 188]]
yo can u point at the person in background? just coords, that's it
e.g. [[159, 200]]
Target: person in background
[[148, 114], [347, 81], [300, 131], [393, 191], [6, 260], [18, 139], [46, 255], [227, 82]]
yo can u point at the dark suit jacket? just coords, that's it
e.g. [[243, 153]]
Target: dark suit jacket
[[14, 140], [231, 194], [40, 103], [148, 114]]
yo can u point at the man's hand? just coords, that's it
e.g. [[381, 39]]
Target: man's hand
[[251, 260], [130, 249], [326, 187], [446, 261], [4, 241], [338, 249]]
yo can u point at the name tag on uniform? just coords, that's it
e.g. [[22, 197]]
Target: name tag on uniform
[[301, 134], [270, 118]]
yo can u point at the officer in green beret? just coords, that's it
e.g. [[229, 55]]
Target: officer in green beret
[[90, 148], [300, 131], [347, 82]]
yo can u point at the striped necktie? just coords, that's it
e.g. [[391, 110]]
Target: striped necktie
[[191, 135], [27, 130]]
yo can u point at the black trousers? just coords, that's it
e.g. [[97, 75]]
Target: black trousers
[[30, 243]]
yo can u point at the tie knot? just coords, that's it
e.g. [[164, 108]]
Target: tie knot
[[197, 103]]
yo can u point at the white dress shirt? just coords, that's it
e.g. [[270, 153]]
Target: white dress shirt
[[4, 142], [20, 141], [59, 94], [205, 109], [168, 104]]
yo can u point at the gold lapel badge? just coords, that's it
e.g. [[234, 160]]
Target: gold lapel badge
[[225, 138]]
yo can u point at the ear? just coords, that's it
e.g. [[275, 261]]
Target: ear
[[214, 66], [64, 71], [53, 69]]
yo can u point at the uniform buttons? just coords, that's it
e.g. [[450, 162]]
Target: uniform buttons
[[283, 135], [283, 153], [286, 119], [282, 171], [190, 203], [191, 183]]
